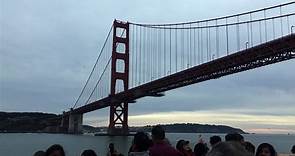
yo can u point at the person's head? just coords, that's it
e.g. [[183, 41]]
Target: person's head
[[111, 147], [249, 147], [265, 149], [88, 152], [141, 142], [55, 150], [293, 149], [234, 137], [229, 148], [158, 133], [183, 145], [39, 153], [179, 144], [214, 140], [200, 149]]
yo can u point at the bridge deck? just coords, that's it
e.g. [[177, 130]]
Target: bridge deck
[[268, 53]]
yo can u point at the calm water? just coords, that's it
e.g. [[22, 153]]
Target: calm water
[[26, 144]]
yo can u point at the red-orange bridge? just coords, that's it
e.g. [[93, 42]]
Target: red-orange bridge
[[139, 60]]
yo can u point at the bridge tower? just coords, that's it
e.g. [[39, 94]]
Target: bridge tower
[[118, 124]]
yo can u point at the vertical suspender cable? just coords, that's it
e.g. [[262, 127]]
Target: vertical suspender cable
[[165, 52], [182, 47], [188, 48], [160, 53], [273, 29], [265, 27], [210, 56], [136, 55], [132, 56], [217, 39], [170, 49], [288, 25], [248, 36], [207, 43], [144, 53], [176, 49], [202, 55], [152, 53], [195, 57], [260, 33], [227, 48], [281, 21], [190, 45], [199, 44], [251, 30], [238, 34], [140, 53]]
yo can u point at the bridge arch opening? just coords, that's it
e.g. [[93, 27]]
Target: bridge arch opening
[[121, 32], [119, 85], [121, 48], [120, 66]]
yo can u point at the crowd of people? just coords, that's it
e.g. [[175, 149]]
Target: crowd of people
[[159, 145]]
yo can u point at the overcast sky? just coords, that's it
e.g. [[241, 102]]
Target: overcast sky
[[48, 48]]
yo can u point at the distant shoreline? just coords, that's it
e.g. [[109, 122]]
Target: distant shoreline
[[32, 122]]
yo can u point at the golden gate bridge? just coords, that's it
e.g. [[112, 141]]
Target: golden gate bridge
[[139, 60]]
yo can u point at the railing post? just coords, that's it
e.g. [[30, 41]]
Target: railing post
[[247, 45]]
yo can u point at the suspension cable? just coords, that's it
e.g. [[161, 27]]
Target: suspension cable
[[99, 79], [213, 19], [105, 42], [220, 25], [103, 71]]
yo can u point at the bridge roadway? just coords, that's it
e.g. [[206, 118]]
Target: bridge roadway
[[274, 51]]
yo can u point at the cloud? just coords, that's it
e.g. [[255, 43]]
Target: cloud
[[48, 48], [256, 123]]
